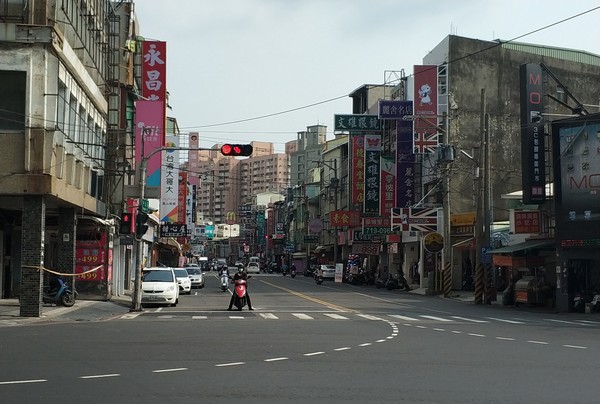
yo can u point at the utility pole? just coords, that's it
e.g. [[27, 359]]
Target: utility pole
[[136, 300], [447, 251]]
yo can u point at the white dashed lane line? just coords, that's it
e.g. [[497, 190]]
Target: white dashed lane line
[[24, 381]]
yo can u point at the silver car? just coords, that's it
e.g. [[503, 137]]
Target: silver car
[[328, 271], [183, 280], [196, 276]]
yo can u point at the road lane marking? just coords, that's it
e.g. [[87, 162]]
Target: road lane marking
[[237, 317], [439, 329], [472, 334], [342, 349], [199, 317], [230, 364], [268, 316], [502, 320], [366, 344], [564, 321], [575, 346], [314, 353], [436, 318], [25, 381], [310, 298], [370, 317], [538, 342], [398, 316], [283, 358], [505, 339], [302, 316], [336, 316], [470, 319], [169, 370], [100, 376]]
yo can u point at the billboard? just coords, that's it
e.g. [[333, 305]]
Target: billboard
[[426, 137], [577, 180]]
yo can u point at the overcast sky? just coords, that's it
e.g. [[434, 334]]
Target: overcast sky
[[236, 60]]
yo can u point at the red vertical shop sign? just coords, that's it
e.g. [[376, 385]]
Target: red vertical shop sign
[[154, 70], [426, 137], [90, 253], [358, 171]]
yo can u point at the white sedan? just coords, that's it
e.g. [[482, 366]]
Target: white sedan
[[253, 268]]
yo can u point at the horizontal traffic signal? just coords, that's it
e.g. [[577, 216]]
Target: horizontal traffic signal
[[229, 149]]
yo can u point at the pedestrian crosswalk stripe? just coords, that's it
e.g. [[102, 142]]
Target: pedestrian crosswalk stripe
[[470, 319], [398, 316], [336, 316], [369, 317], [436, 318], [503, 320], [237, 317], [269, 316], [302, 316], [199, 317]]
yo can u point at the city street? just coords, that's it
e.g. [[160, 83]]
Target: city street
[[305, 343]]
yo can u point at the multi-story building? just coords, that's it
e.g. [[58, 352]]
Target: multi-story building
[[61, 120]]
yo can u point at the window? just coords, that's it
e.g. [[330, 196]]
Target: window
[[12, 102]]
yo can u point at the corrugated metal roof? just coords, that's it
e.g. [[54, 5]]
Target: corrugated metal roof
[[572, 55]]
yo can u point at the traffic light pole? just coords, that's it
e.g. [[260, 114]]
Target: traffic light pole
[[136, 300]]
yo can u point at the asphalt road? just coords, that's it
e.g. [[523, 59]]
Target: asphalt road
[[305, 343]]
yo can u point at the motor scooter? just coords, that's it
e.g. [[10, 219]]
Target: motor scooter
[[224, 282], [318, 277], [293, 272], [239, 293], [59, 292]]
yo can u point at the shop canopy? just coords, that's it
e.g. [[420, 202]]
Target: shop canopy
[[524, 246]]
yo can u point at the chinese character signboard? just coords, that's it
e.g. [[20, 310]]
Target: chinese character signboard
[[372, 174], [527, 222], [182, 198], [357, 123], [154, 70], [149, 136], [169, 190], [357, 171], [532, 134], [388, 186], [339, 218], [405, 161], [173, 230], [394, 109], [425, 109]]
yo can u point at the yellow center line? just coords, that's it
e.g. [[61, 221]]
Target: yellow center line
[[312, 299]]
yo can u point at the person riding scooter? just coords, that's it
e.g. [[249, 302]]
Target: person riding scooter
[[224, 275], [240, 274]]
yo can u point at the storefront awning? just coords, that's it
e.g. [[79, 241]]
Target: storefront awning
[[526, 245]]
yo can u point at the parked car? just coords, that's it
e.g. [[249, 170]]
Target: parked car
[[196, 276], [328, 271], [159, 286], [183, 280], [253, 268]]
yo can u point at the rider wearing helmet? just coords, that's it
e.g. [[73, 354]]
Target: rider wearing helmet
[[240, 274]]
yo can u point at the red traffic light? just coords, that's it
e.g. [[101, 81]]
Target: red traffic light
[[236, 149]]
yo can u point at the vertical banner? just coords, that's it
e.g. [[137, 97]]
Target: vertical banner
[[169, 191], [182, 198], [405, 160], [154, 70], [372, 173], [388, 186], [149, 136], [357, 171], [426, 136], [189, 212], [533, 159]]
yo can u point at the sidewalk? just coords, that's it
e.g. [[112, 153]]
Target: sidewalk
[[10, 311]]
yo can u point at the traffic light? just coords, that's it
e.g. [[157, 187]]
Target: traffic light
[[236, 149], [125, 225], [140, 224]]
